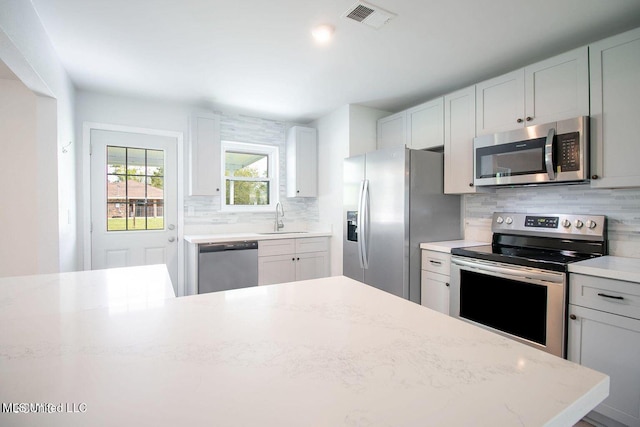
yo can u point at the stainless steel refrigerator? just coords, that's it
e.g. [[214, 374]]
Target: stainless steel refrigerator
[[393, 201]]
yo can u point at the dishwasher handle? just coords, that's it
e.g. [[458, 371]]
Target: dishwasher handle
[[227, 246]]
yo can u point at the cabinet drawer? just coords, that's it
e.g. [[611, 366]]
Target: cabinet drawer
[[312, 244], [437, 262], [612, 296], [276, 247]]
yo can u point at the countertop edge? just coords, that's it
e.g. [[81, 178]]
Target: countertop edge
[[447, 245], [611, 267], [236, 237]]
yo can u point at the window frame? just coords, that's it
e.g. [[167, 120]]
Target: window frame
[[273, 153]]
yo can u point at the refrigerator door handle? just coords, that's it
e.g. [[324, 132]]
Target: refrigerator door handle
[[365, 224], [359, 222]]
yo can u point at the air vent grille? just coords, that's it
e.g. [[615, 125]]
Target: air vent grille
[[368, 14], [360, 13]]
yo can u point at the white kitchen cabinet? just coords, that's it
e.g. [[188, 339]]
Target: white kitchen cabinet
[[419, 127], [459, 131], [392, 130], [550, 90], [204, 155], [434, 283], [288, 260], [302, 162], [615, 108], [425, 125], [604, 334]]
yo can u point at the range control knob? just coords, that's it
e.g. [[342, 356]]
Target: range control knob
[[566, 223], [499, 220], [591, 224], [578, 223], [509, 220]]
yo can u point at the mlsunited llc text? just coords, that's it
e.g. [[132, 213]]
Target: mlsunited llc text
[[43, 408]]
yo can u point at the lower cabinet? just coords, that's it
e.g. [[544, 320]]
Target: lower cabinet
[[289, 260], [603, 339], [434, 280]]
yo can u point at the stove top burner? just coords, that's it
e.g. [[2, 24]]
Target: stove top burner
[[549, 242], [527, 257]]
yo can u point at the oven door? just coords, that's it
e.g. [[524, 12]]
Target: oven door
[[522, 303]]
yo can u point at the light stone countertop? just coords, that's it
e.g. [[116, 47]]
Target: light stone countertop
[[237, 237], [117, 289], [324, 352], [612, 267], [447, 245]]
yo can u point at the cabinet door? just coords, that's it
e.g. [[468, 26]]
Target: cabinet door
[[425, 125], [434, 292], [204, 155], [392, 131], [610, 344], [500, 103], [557, 88], [312, 265], [302, 162], [276, 269], [615, 108], [459, 131]]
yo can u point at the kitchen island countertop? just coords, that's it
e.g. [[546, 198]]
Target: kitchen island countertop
[[329, 352]]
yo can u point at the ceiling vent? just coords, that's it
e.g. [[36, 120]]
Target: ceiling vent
[[368, 14]]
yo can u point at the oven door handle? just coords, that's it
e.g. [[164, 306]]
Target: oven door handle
[[548, 155], [527, 274]]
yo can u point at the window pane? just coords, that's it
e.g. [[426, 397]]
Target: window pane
[[155, 203], [116, 216], [244, 193], [246, 165], [136, 161], [116, 160], [135, 189], [155, 163]]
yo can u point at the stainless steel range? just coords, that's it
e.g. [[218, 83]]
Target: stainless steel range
[[518, 285]]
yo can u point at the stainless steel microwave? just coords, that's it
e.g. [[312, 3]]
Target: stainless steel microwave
[[549, 153]]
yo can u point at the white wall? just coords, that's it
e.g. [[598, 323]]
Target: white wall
[[26, 49]]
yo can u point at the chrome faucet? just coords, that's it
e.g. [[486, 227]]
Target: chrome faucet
[[279, 215]]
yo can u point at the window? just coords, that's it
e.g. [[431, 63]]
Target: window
[[250, 176], [135, 189]]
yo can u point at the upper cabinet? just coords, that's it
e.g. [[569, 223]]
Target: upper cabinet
[[302, 162], [418, 127], [615, 108], [392, 130], [204, 155], [425, 125], [550, 90], [459, 131]]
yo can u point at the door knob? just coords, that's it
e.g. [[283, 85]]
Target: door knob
[[172, 239]]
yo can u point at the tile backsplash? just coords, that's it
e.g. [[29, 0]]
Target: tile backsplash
[[202, 213], [621, 206]]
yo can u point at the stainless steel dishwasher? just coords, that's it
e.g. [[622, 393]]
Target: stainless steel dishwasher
[[228, 265]]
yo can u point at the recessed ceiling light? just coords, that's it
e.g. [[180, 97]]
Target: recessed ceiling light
[[322, 33]]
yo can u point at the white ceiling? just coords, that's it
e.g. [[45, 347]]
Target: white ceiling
[[257, 56]]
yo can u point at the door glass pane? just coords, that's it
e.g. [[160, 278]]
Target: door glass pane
[[155, 203], [135, 189]]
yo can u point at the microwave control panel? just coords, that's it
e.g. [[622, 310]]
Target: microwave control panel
[[568, 152]]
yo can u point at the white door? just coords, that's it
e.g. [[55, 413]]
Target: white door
[[133, 200]]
